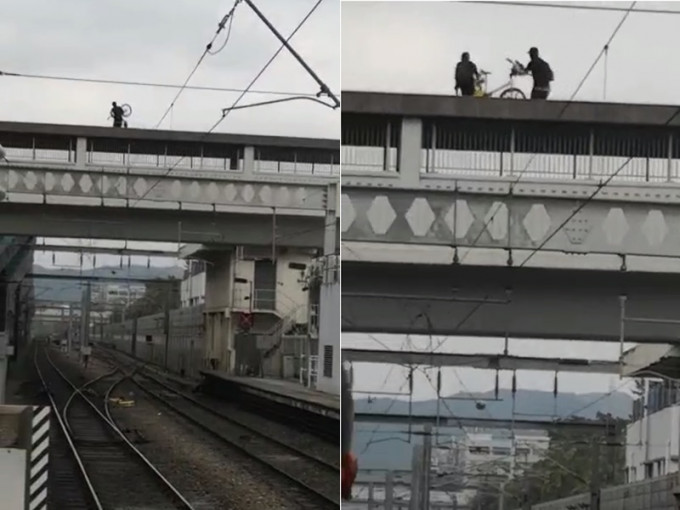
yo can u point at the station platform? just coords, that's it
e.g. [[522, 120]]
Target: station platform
[[279, 391]]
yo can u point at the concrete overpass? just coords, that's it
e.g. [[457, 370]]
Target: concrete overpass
[[93, 182], [456, 190], [482, 361]]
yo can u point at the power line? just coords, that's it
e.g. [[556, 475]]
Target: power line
[[235, 103], [104, 81], [229, 17], [574, 7]]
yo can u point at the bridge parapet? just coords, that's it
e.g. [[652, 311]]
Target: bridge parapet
[[121, 167], [417, 137]]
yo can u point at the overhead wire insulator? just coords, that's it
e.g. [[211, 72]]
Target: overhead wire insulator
[[555, 386], [514, 382]]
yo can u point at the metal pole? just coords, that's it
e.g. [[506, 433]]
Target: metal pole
[[427, 466], [3, 365], [389, 490], [322, 85], [595, 478], [622, 331], [416, 466]]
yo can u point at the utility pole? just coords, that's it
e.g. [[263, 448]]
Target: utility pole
[[416, 478], [85, 348], [427, 467], [389, 491], [595, 477]]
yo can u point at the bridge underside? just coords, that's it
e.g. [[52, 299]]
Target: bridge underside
[[522, 302], [161, 225]]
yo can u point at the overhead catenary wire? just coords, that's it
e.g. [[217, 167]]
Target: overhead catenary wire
[[228, 18], [238, 99], [571, 6], [104, 81]]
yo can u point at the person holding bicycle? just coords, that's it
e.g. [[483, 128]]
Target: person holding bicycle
[[541, 73], [117, 113], [466, 74]]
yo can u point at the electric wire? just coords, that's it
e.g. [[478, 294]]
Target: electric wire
[[103, 81], [571, 6], [228, 18], [238, 99]]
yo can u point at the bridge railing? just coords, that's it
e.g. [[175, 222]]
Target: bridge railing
[[102, 152], [460, 148]]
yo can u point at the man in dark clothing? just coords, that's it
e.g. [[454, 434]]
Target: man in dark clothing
[[466, 73], [117, 114], [542, 74]]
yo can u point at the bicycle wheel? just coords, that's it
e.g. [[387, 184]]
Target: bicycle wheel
[[512, 93], [127, 110]]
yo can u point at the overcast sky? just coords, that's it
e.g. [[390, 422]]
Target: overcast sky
[[141, 40], [144, 40], [413, 47]]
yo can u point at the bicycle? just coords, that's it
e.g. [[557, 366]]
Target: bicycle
[[508, 88]]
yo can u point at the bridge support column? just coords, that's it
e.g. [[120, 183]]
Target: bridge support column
[[248, 160], [410, 152], [219, 295], [81, 152]]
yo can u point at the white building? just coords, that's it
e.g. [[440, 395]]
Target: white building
[[192, 291], [487, 454], [294, 303], [653, 436], [117, 293]]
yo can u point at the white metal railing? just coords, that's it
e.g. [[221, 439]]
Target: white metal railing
[[101, 155], [480, 164], [275, 334]]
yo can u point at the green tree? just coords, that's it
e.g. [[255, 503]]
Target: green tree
[[567, 467], [157, 296]]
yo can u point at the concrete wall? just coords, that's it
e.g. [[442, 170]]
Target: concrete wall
[[653, 439], [219, 282], [193, 290], [289, 293], [185, 352]]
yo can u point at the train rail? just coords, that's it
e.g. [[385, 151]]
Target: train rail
[[314, 480], [116, 473]]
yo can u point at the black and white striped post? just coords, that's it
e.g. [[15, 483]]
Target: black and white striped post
[[39, 459]]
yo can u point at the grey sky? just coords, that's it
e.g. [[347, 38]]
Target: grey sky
[[156, 42], [413, 47], [161, 42]]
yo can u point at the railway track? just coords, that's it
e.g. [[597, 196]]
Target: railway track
[[116, 473], [313, 482]]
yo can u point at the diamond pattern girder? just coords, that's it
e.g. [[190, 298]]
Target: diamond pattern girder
[[465, 219], [197, 188]]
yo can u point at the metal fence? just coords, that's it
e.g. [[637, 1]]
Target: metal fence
[[116, 153], [551, 151]]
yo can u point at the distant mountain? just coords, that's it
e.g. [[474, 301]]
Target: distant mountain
[[391, 447], [66, 291]]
